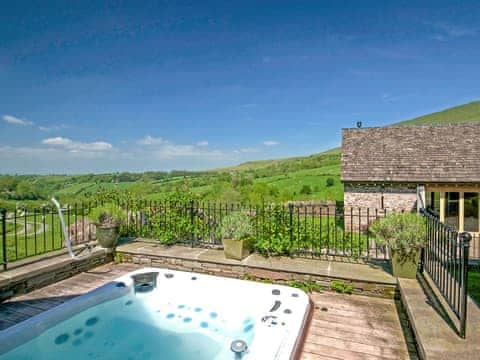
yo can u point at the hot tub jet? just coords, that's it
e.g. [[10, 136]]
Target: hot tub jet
[[239, 347]]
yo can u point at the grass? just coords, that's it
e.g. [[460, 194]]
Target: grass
[[37, 241], [341, 287], [459, 114], [306, 286], [11, 228], [474, 285]]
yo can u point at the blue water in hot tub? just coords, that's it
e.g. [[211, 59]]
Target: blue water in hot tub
[[125, 328]]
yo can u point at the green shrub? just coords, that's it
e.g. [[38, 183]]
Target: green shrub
[[307, 286], [405, 232], [236, 226], [107, 215], [341, 287], [273, 231], [306, 190], [330, 182]]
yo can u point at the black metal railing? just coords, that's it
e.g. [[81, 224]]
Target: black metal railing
[[26, 233], [315, 229], [445, 259], [311, 230]]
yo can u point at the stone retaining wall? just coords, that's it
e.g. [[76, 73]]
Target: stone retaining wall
[[254, 273], [44, 272]]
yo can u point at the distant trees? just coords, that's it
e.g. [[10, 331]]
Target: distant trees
[[329, 182], [26, 190], [8, 183]]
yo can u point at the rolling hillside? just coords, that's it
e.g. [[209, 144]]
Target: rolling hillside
[[298, 178], [459, 114]]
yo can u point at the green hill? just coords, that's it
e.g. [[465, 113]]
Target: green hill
[[459, 114], [469, 112], [308, 161]]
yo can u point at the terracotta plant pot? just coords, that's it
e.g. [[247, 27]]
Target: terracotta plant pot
[[107, 236], [236, 249], [405, 266]]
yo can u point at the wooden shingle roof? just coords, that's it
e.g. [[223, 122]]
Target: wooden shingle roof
[[421, 154]]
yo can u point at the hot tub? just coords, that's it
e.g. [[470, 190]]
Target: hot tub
[[163, 314]]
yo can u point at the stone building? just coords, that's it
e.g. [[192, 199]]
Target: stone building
[[405, 168]]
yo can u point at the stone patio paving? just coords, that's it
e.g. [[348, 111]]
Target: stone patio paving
[[342, 327]]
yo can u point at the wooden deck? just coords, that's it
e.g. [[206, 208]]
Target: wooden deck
[[342, 327]]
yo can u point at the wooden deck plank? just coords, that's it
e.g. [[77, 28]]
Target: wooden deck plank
[[355, 327], [336, 353], [350, 345], [386, 341]]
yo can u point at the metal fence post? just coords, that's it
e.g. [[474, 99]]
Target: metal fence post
[[465, 239], [192, 221], [4, 238], [290, 213]]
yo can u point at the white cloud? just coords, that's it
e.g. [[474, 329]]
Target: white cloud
[[24, 122], [16, 120], [52, 128], [247, 150], [77, 146], [270, 143], [165, 149], [149, 140], [445, 31]]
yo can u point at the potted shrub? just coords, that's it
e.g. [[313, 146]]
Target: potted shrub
[[236, 232], [107, 219], [404, 235]]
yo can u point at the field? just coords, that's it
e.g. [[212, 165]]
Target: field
[[37, 232], [278, 180]]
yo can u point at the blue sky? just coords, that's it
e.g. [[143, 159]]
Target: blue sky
[[134, 86]]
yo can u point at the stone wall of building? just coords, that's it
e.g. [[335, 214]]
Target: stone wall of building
[[397, 197], [364, 204]]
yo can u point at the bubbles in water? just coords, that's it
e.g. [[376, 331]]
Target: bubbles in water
[[248, 328], [77, 342], [92, 321], [213, 315], [61, 339]]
